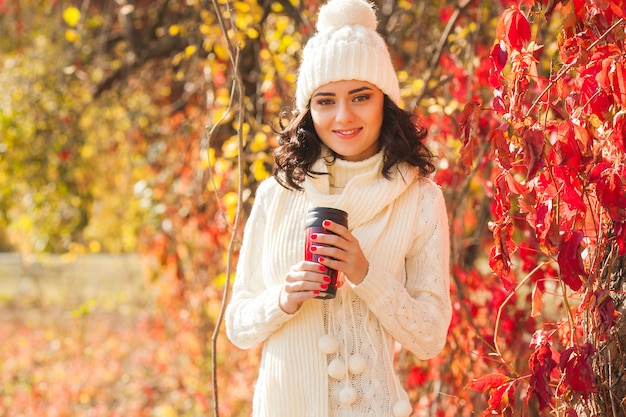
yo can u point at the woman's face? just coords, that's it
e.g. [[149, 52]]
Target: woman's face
[[347, 116]]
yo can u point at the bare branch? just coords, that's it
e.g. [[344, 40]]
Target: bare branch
[[443, 40]]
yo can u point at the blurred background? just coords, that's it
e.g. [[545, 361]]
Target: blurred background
[[133, 135]]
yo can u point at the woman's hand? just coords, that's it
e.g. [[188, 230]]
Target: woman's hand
[[343, 253], [304, 281]]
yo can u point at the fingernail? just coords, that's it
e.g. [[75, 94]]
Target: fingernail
[[316, 292], [313, 248], [326, 278], [326, 223], [313, 236], [322, 267], [322, 260], [324, 286]]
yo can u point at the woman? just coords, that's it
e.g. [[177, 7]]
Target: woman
[[350, 147]]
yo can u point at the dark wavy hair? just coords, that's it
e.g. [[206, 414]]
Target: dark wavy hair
[[401, 139]]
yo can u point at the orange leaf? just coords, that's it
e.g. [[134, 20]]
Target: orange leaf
[[537, 304], [486, 382]]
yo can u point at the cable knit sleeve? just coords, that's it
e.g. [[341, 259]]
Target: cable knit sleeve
[[417, 314], [253, 313]]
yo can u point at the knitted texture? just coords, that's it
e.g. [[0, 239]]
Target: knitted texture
[[346, 46], [402, 228]]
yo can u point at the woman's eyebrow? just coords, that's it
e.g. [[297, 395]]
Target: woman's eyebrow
[[330, 94], [358, 90], [322, 93]]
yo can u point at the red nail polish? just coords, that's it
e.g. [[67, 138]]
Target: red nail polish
[[322, 267], [316, 292], [313, 236], [313, 248], [322, 260], [324, 286], [326, 223], [326, 278]]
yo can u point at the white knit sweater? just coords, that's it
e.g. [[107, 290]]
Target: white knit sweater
[[401, 225]]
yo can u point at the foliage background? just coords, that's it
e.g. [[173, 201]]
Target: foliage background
[[145, 126]]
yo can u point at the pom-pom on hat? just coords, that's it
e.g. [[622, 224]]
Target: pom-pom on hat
[[346, 46]]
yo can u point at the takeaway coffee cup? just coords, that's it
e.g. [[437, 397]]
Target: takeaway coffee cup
[[314, 219]]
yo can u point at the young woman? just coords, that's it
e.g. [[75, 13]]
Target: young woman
[[350, 147]]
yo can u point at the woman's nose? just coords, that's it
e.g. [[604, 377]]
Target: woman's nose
[[344, 113]]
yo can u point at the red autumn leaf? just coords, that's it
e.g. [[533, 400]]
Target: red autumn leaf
[[618, 7], [500, 146], [537, 301], [570, 261], [501, 398], [533, 151], [542, 219], [566, 148], [618, 135], [570, 187], [603, 308], [593, 94], [416, 377], [499, 255], [610, 189], [502, 198], [617, 76], [541, 365], [487, 382], [497, 58], [468, 132], [578, 375], [513, 28]]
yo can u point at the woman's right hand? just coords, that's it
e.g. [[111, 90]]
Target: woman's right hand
[[304, 281]]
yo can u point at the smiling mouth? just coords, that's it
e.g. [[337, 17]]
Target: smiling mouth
[[350, 132]]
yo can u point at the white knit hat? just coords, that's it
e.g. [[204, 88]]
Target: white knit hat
[[346, 46]]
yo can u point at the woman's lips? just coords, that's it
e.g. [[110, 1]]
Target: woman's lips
[[347, 133]]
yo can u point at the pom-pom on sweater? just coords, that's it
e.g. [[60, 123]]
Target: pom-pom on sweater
[[402, 227]]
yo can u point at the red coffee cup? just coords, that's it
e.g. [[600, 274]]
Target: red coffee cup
[[314, 219]]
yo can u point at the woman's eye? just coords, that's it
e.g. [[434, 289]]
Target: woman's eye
[[363, 97], [324, 102]]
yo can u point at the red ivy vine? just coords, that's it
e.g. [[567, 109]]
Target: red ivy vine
[[559, 192]]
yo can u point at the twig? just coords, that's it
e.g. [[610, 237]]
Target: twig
[[501, 308], [567, 67], [233, 53], [442, 43]]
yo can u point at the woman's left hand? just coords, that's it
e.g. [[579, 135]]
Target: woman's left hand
[[343, 252]]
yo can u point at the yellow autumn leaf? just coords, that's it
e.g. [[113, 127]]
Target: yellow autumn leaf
[[207, 158], [174, 30], [190, 50], [71, 15], [230, 203], [252, 33], [259, 143], [230, 148], [221, 52], [95, 246], [258, 170], [72, 35]]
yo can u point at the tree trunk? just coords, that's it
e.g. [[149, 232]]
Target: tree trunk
[[610, 363]]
